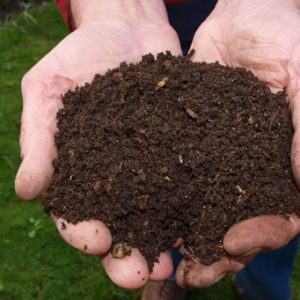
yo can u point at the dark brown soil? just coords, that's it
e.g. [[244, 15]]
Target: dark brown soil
[[167, 149]]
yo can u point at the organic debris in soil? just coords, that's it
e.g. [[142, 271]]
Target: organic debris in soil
[[168, 149]]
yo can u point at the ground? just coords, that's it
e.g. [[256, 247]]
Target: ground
[[35, 262]]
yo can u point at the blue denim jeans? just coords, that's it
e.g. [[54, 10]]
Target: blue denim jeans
[[186, 18], [268, 275]]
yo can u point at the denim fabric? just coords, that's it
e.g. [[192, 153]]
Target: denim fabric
[[187, 17], [268, 275]]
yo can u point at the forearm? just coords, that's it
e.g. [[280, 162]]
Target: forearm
[[94, 10]]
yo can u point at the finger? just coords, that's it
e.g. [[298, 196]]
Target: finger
[[294, 96], [41, 101], [295, 151], [163, 268], [91, 237], [35, 172], [293, 84], [130, 272], [191, 274], [260, 233]]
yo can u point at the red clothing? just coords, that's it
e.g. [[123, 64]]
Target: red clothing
[[65, 10]]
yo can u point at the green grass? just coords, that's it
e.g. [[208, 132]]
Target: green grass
[[6, 4], [34, 262]]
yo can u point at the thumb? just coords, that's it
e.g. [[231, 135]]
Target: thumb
[[294, 96], [41, 101], [295, 152], [260, 233]]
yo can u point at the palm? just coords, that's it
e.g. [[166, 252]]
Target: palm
[[254, 36], [93, 48], [262, 39], [89, 50]]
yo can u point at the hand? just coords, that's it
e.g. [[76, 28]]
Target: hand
[[260, 36], [108, 33]]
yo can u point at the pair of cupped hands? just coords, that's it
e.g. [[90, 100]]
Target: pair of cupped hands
[[262, 36]]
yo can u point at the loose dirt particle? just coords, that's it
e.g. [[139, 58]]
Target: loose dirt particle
[[121, 250], [191, 113], [63, 226], [162, 83]]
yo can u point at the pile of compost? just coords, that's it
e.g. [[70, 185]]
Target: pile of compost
[[167, 149]]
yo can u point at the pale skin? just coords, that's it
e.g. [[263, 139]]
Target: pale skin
[[262, 36]]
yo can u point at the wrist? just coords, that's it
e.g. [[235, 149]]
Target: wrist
[[94, 11]]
